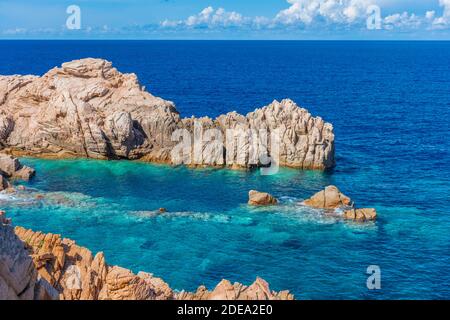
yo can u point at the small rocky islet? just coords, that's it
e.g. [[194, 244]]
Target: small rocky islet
[[88, 109]]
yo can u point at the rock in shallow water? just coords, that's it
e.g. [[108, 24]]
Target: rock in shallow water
[[11, 168], [330, 198], [257, 198], [361, 215]]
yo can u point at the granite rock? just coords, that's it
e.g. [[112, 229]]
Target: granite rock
[[86, 108]]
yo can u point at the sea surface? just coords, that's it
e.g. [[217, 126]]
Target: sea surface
[[390, 106]]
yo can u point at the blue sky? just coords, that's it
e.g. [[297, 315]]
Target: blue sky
[[227, 19]]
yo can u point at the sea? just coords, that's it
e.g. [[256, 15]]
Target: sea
[[389, 103]]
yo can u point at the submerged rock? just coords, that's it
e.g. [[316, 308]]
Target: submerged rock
[[257, 198], [86, 108], [330, 198], [361, 215]]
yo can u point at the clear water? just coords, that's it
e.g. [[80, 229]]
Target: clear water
[[389, 103]]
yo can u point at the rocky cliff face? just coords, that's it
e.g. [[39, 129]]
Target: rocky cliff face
[[39, 266], [18, 276], [87, 108]]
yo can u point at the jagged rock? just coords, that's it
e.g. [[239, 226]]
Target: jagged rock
[[72, 273], [361, 215], [11, 167], [259, 290], [8, 165], [257, 198], [4, 183], [86, 108], [17, 273], [330, 198], [24, 173]]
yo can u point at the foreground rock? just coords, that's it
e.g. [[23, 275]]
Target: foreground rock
[[259, 290], [257, 198], [18, 277], [86, 108], [331, 198], [11, 168], [40, 266]]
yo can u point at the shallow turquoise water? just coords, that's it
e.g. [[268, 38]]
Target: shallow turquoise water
[[209, 232]]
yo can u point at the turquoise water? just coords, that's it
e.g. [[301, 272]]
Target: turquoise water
[[389, 104], [209, 232]]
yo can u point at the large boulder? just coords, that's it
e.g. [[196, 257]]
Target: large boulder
[[257, 198], [10, 167], [86, 108], [330, 198]]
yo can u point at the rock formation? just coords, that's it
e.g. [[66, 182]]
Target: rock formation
[[18, 277], [361, 215], [259, 290], [331, 198], [86, 108], [34, 265], [11, 168], [257, 198]]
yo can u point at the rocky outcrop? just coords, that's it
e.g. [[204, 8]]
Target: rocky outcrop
[[35, 265], [18, 277], [86, 108], [259, 290], [77, 274], [331, 198], [11, 168], [257, 198]]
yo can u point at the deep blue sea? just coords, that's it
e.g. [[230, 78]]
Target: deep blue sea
[[389, 103]]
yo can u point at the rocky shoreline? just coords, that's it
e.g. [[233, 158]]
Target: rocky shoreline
[[86, 108], [38, 266]]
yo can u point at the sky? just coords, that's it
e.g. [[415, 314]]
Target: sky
[[226, 19]]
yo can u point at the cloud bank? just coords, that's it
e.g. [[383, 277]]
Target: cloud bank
[[315, 14]]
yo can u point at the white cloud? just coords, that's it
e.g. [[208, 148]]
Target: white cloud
[[443, 22], [316, 14], [209, 17], [335, 11], [404, 20]]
